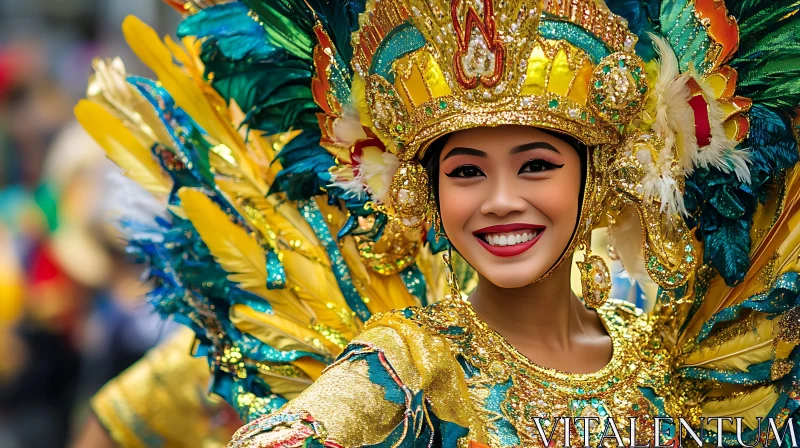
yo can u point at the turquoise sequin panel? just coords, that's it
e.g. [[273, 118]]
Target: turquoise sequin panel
[[344, 279]]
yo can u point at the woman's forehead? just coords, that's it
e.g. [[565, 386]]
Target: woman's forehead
[[500, 137]]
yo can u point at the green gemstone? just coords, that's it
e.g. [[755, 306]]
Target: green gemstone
[[688, 248], [391, 93], [615, 117], [381, 88], [583, 115], [428, 110], [606, 69], [622, 62], [643, 90], [553, 103], [635, 407], [689, 258], [601, 411], [442, 104], [591, 120], [598, 83], [546, 383], [399, 127], [660, 268], [580, 391], [671, 279], [598, 98], [595, 402]]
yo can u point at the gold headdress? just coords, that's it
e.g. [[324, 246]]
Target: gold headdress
[[433, 67], [430, 67]]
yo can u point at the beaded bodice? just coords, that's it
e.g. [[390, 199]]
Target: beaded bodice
[[510, 393]]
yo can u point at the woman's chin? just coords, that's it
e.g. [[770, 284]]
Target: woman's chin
[[511, 278]]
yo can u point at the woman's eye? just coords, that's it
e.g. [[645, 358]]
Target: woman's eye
[[466, 171], [535, 166]]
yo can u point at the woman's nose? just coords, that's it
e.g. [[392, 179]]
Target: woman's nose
[[503, 197]]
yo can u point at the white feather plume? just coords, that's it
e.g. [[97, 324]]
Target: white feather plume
[[347, 128], [625, 235], [378, 173], [371, 175]]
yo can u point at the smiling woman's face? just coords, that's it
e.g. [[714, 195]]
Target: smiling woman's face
[[509, 200]]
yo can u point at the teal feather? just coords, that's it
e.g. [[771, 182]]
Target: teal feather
[[289, 25], [722, 207], [231, 30], [768, 60], [639, 22]]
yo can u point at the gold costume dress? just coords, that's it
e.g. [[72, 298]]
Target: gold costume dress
[[162, 401], [422, 375], [298, 234]]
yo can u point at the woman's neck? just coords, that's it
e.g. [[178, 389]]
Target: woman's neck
[[546, 314]]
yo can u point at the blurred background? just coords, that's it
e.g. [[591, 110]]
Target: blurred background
[[71, 309]]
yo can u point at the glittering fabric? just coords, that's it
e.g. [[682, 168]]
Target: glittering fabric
[[473, 384], [162, 401]]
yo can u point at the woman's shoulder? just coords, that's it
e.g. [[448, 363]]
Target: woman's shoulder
[[445, 319], [621, 310], [626, 320]]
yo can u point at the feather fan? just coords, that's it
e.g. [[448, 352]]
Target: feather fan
[[122, 147]]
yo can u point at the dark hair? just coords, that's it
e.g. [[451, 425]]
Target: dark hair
[[431, 162]]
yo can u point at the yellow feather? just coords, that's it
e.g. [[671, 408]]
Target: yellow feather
[[279, 332], [281, 220], [315, 285], [749, 406], [286, 387], [208, 112], [739, 353], [109, 86], [385, 292], [310, 367], [122, 147], [237, 252]]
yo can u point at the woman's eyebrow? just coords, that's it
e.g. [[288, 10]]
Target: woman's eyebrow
[[533, 145], [460, 150]]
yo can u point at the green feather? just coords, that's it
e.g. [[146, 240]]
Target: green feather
[[768, 60]]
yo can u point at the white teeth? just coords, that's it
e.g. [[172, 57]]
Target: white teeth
[[510, 239]]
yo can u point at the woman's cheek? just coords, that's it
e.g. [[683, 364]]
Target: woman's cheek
[[456, 206], [558, 200]]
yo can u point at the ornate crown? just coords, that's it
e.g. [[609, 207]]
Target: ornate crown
[[425, 68], [433, 67]]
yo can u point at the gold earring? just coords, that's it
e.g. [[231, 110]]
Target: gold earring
[[432, 214], [450, 274], [595, 277], [408, 194]]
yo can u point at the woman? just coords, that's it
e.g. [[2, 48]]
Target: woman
[[505, 131]]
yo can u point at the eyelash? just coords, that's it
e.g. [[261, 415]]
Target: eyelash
[[545, 165]]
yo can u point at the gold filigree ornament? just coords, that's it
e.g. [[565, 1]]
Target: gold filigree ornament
[[669, 248], [395, 250], [618, 87], [595, 278], [409, 192]]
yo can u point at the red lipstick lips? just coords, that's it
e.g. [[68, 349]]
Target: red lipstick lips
[[513, 250]]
